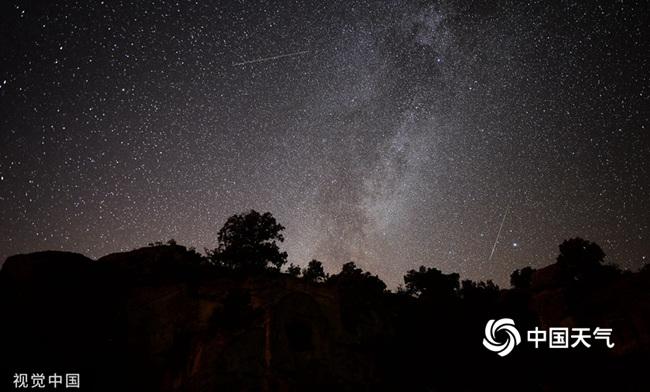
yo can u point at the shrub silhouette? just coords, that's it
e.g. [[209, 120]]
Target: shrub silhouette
[[293, 270], [314, 272]]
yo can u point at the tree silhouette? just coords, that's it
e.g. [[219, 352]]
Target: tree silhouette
[[579, 258], [293, 270], [469, 288], [314, 272], [431, 282], [250, 242], [353, 277], [478, 294], [521, 279]]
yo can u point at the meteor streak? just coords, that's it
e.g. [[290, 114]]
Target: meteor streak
[[259, 60], [498, 234]]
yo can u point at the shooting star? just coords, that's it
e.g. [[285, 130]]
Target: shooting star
[[498, 234], [271, 58]]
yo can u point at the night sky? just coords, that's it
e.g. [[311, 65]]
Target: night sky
[[391, 134]]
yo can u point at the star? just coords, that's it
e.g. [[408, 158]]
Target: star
[[385, 133]]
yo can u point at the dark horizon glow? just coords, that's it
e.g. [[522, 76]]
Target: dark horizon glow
[[396, 138]]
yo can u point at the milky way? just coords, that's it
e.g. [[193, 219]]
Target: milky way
[[399, 135]]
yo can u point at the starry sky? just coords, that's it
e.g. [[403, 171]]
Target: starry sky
[[393, 134]]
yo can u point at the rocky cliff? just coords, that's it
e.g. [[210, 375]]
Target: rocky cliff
[[157, 318]]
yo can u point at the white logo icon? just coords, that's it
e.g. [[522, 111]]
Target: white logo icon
[[492, 327]]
